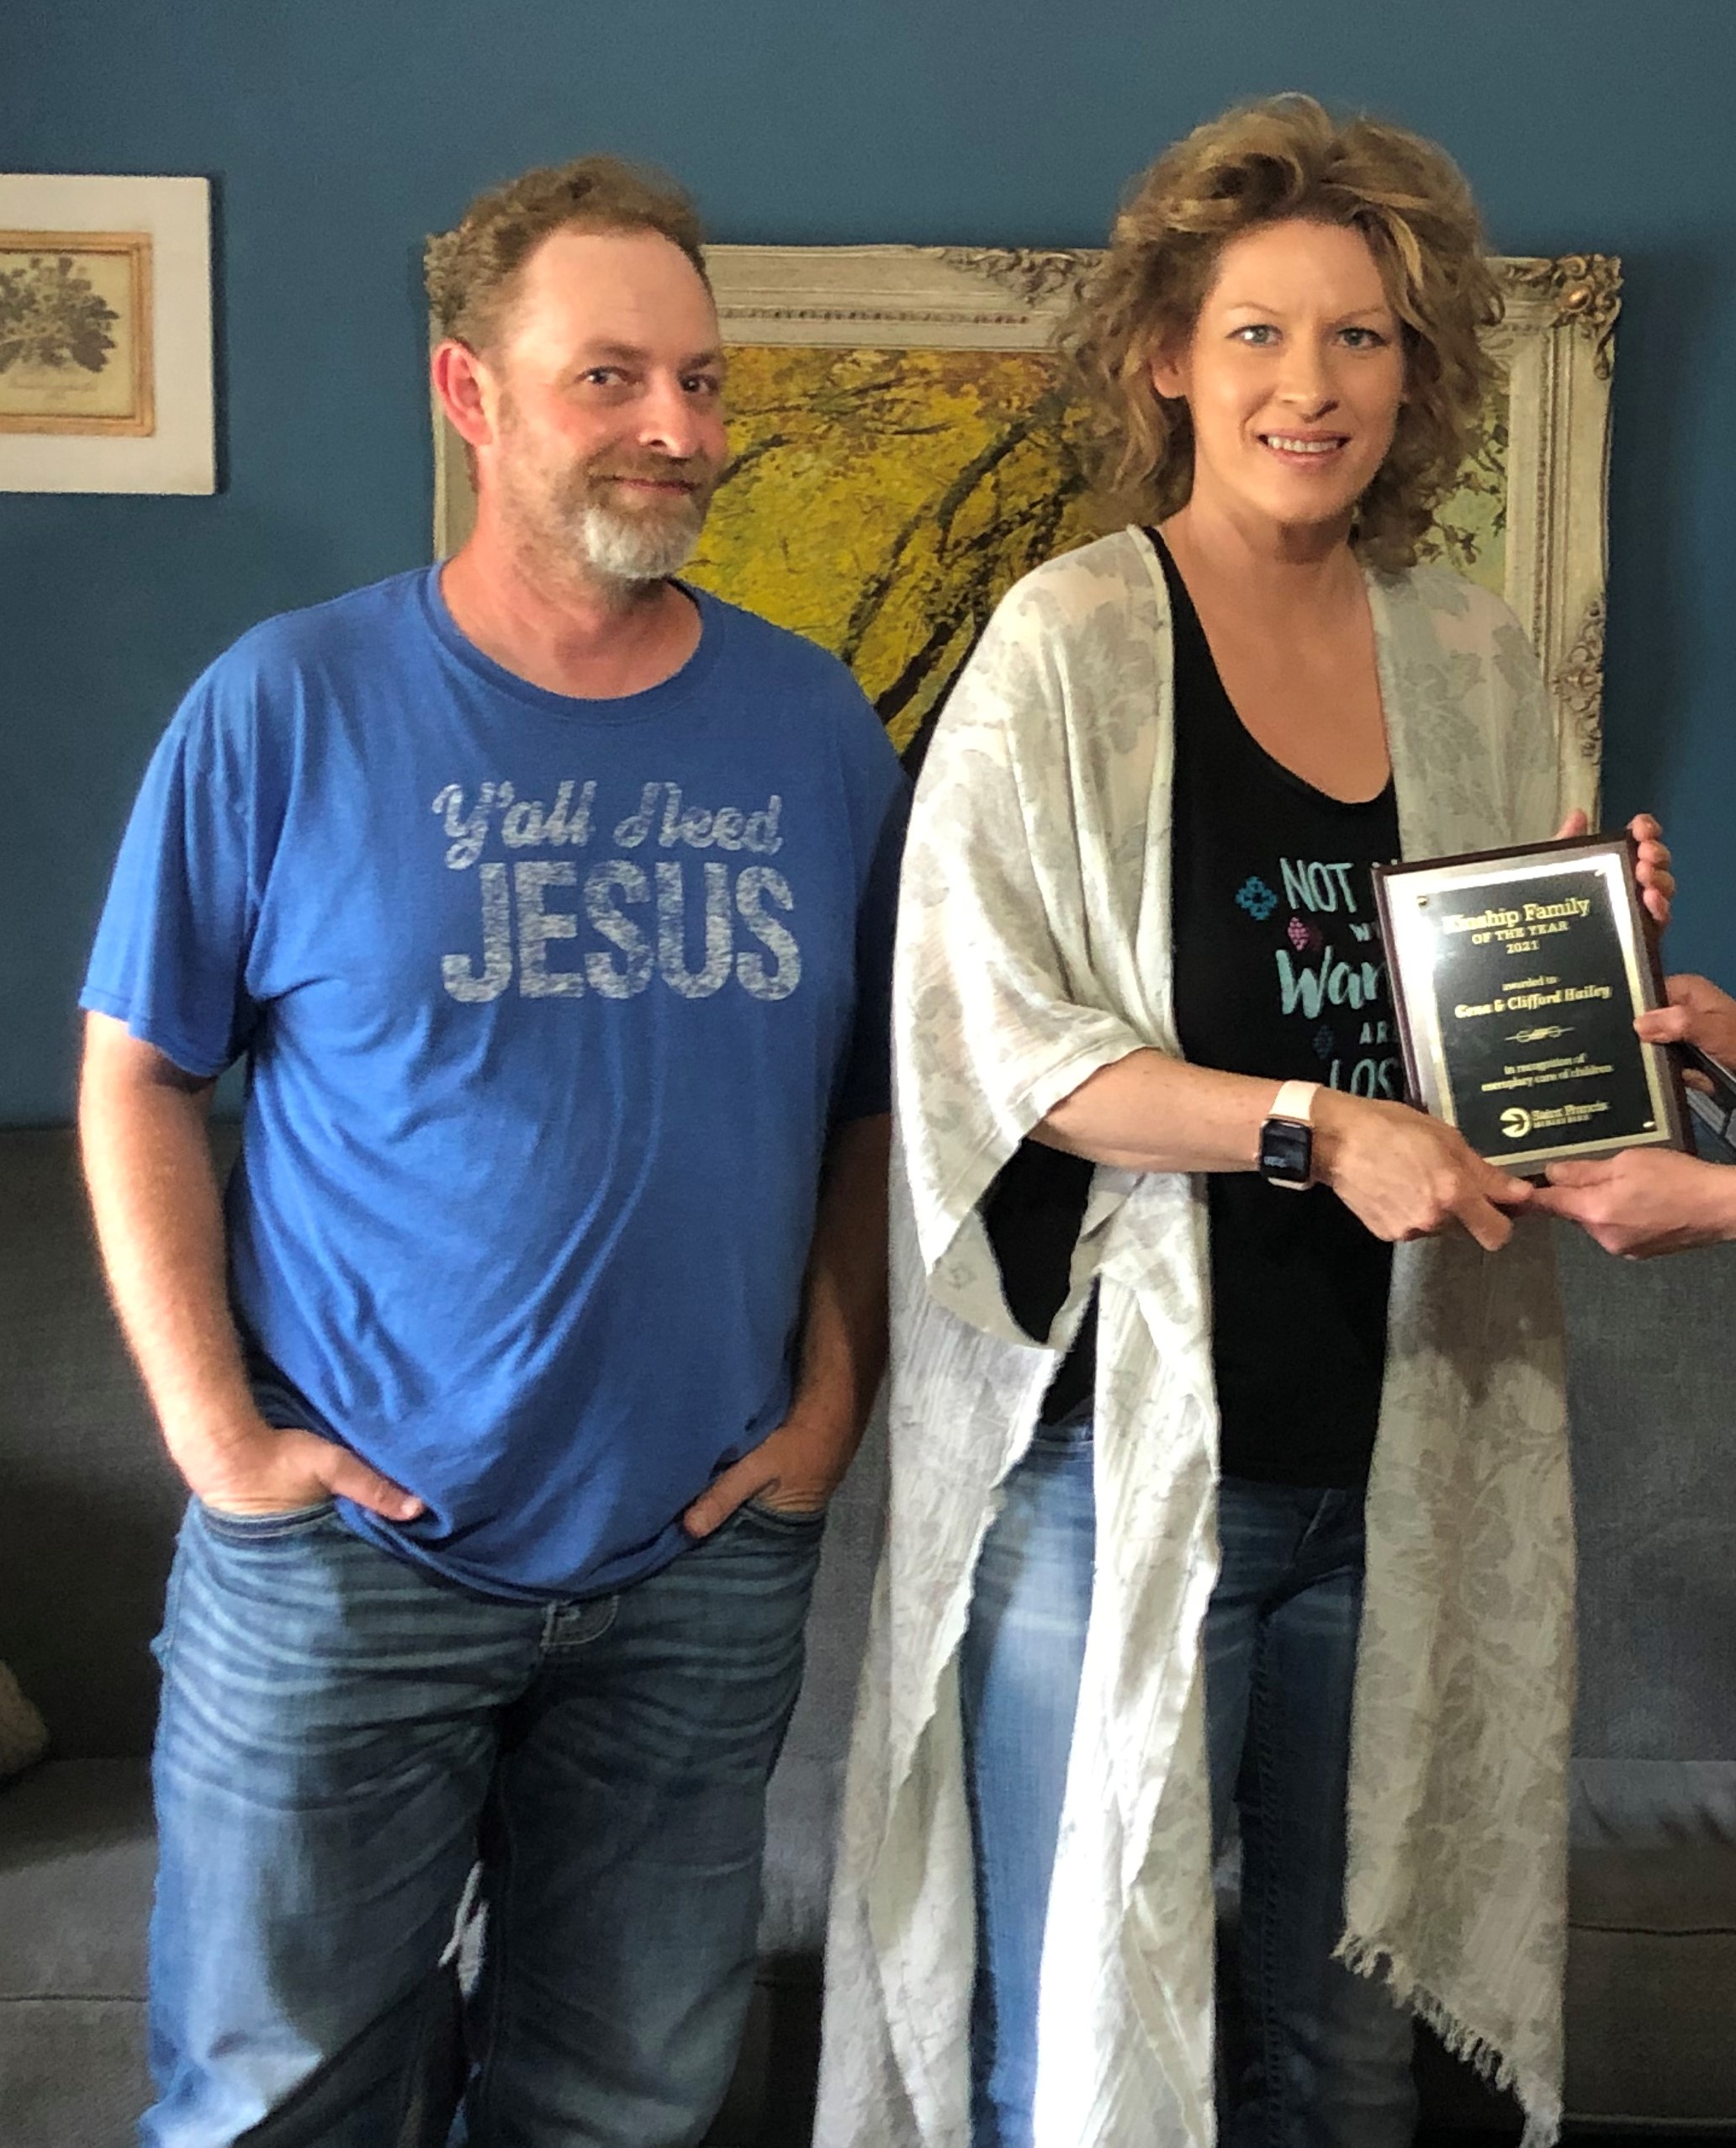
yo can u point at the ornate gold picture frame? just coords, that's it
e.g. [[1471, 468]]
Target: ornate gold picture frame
[[903, 449]]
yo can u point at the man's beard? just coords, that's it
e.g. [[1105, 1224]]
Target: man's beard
[[634, 548], [574, 518]]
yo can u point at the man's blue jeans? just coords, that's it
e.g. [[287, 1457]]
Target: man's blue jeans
[[342, 1737], [1328, 2053]]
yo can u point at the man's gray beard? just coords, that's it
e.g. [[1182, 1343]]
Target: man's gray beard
[[625, 549]]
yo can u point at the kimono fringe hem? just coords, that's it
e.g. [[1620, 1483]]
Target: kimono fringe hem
[[1375, 1960]]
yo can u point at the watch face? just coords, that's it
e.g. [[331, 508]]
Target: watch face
[[1286, 1152]]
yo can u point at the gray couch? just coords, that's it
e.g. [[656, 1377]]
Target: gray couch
[[87, 1512]]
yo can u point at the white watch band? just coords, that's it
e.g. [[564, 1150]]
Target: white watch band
[[1294, 1100]]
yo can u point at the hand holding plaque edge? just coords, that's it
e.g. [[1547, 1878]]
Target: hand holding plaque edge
[[1651, 864], [1641, 1203], [1698, 1015]]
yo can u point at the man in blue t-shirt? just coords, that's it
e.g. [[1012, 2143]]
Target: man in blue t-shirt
[[548, 902]]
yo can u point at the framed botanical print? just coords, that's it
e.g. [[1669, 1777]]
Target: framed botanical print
[[105, 334]]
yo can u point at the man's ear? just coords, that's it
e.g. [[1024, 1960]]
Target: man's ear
[[465, 389]]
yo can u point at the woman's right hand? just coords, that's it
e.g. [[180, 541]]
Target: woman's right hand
[[1405, 1174]]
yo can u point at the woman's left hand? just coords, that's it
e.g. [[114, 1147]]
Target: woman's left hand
[[1657, 883]]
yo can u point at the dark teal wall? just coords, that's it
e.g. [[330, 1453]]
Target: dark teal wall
[[338, 131]]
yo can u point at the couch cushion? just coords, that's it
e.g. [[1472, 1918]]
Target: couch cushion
[[1651, 1958], [23, 1733], [1654, 1851], [802, 1804], [1651, 1969], [87, 1523], [78, 1855], [1652, 1374], [1651, 2028], [76, 1858], [72, 2075]]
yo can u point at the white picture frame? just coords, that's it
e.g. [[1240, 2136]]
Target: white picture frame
[[129, 408]]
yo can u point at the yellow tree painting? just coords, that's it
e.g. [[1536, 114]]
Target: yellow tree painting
[[882, 502]]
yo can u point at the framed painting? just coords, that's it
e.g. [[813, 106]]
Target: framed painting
[[105, 334], [904, 447]]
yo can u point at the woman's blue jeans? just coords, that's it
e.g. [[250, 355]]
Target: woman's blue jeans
[[1328, 2056], [342, 1737]]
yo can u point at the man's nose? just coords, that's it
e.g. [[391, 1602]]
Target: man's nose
[[669, 421]]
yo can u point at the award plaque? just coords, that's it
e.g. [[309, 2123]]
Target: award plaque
[[1516, 977]]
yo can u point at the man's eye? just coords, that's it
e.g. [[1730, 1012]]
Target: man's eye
[[702, 384], [602, 377]]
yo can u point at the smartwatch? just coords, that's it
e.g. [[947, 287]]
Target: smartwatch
[[1287, 1138]]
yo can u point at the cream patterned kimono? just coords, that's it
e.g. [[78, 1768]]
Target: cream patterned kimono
[[1034, 948]]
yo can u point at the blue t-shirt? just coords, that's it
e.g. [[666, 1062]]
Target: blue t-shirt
[[549, 1006]]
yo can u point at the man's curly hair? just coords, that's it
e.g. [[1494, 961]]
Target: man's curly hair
[[472, 272], [1286, 156]]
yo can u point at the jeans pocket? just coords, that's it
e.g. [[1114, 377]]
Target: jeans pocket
[[796, 1518], [164, 1639], [1067, 1438], [262, 1528]]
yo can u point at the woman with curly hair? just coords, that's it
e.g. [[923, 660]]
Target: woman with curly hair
[[1230, 1491]]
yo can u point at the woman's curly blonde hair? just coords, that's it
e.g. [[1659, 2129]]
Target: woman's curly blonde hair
[[1287, 156]]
